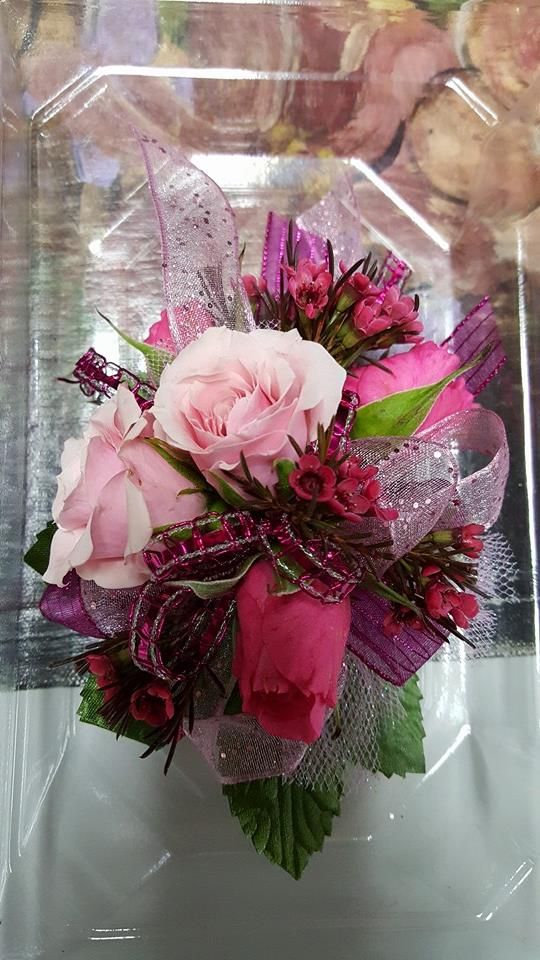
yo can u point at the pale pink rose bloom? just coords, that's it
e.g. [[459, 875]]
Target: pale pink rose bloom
[[423, 364], [230, 393], [113, 490]]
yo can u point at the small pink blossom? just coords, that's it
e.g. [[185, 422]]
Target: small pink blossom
[[308, 285], [444, 601], [398, 617], [357, 493], [153, 704], [312, 480], [468, 539], [254, 286], [368, 319], [401, 313]]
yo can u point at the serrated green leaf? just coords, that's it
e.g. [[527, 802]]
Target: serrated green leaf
[[400, 414], [401, 748], [285, 822], [206, 589], [90, 707], [37, 556]]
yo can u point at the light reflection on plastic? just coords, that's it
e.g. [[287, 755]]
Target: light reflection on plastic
[[115, 933], [473, 101], [156, 866], [401, 204], [503, 895], [462, 735], [528, 435]]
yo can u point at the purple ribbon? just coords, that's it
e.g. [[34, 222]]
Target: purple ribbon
[[477, 331]]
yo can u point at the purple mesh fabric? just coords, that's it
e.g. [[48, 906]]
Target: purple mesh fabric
[[477, 331], [394, 659], [64, 605]]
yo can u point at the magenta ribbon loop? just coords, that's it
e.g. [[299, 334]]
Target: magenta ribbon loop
[[394, 272], [174, 634], [98, 379], [199, 244]]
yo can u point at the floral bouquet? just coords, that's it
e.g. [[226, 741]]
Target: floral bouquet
[[268, 530]]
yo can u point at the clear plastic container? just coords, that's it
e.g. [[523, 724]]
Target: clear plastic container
[[434, 113]]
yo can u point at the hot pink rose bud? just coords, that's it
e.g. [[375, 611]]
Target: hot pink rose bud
[[288, 657]]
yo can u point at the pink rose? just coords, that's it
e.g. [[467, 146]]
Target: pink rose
[[194, 315], [229, 393], [288, 656], [423, 364], [114, 489]]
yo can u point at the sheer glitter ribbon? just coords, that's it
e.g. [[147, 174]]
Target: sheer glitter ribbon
[[199, 243]]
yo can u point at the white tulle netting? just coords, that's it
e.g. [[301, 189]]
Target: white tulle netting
[[348, 745], [497, 572]]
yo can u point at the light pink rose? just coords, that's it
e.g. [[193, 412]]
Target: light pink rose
[[423, 364], [230, 393], [114, 489], [288, 656], [192, 315]]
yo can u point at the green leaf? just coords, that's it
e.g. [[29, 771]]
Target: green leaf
[[156, 359], [226, 492], [400, 414], [283, 585], [284, 468], [234, 703], [285, 822], [37, 556], [401, 748], [206, 589], [89, 712]]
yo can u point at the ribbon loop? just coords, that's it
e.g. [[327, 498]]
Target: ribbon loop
[[199, 245]]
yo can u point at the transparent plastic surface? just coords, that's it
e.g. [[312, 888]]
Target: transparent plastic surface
[[434, 114]]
